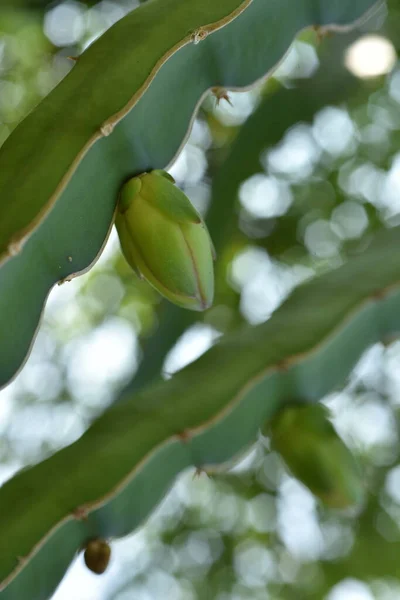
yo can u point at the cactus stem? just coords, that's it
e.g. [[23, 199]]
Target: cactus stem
[[220, 93]]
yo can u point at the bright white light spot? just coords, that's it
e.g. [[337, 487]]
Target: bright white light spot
[[350, 589], [6, 407], [198, 549], [367, 425], [78, 577], [365, 181], [200, 135], [374, 135], [392, 484], [369, 369], [190, 165], [297, 521], [254, 564], [8, 470], [199, 195], [370, 56], [42, 380], [108, 254], [263, 283], [394, 86], [265, 197], [334, 130], [189, 347], [349, 220], [321, 240], [11, 94], [262, 513], [101, 360], [64, 24], [300, 62], [295, 156], [390, 192], [391, 372], [338, 539]]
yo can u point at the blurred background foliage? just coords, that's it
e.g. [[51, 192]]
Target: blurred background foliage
[[293, 176]]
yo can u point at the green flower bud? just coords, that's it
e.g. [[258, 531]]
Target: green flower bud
[[316, 455], [165, 240], [97, 556]]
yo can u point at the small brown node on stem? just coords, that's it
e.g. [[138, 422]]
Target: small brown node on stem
[[184, 435], [74, 58], [199, 35], [379, 295], [283, 365], [220, 93], [80, 513], [321, 32]]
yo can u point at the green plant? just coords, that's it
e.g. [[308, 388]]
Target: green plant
[[58, 200]]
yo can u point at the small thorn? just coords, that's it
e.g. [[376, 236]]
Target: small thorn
[[220, 93], [321, 32], [199, 471], [69, 258], [66, 279], [21, 560]]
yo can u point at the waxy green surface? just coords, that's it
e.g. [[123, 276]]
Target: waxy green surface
[[105, 484], [45, 156]]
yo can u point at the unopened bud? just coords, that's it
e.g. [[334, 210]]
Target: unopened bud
[[165, 240], [315, 454]]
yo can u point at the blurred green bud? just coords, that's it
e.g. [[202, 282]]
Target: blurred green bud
[[97, 555], [165, 240], [316, 455]]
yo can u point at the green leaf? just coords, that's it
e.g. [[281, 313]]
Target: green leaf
[[41, 154], [106, 483]]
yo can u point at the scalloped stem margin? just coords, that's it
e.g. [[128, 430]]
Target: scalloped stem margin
[[143, 71], [106, 483], [69, 240]]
